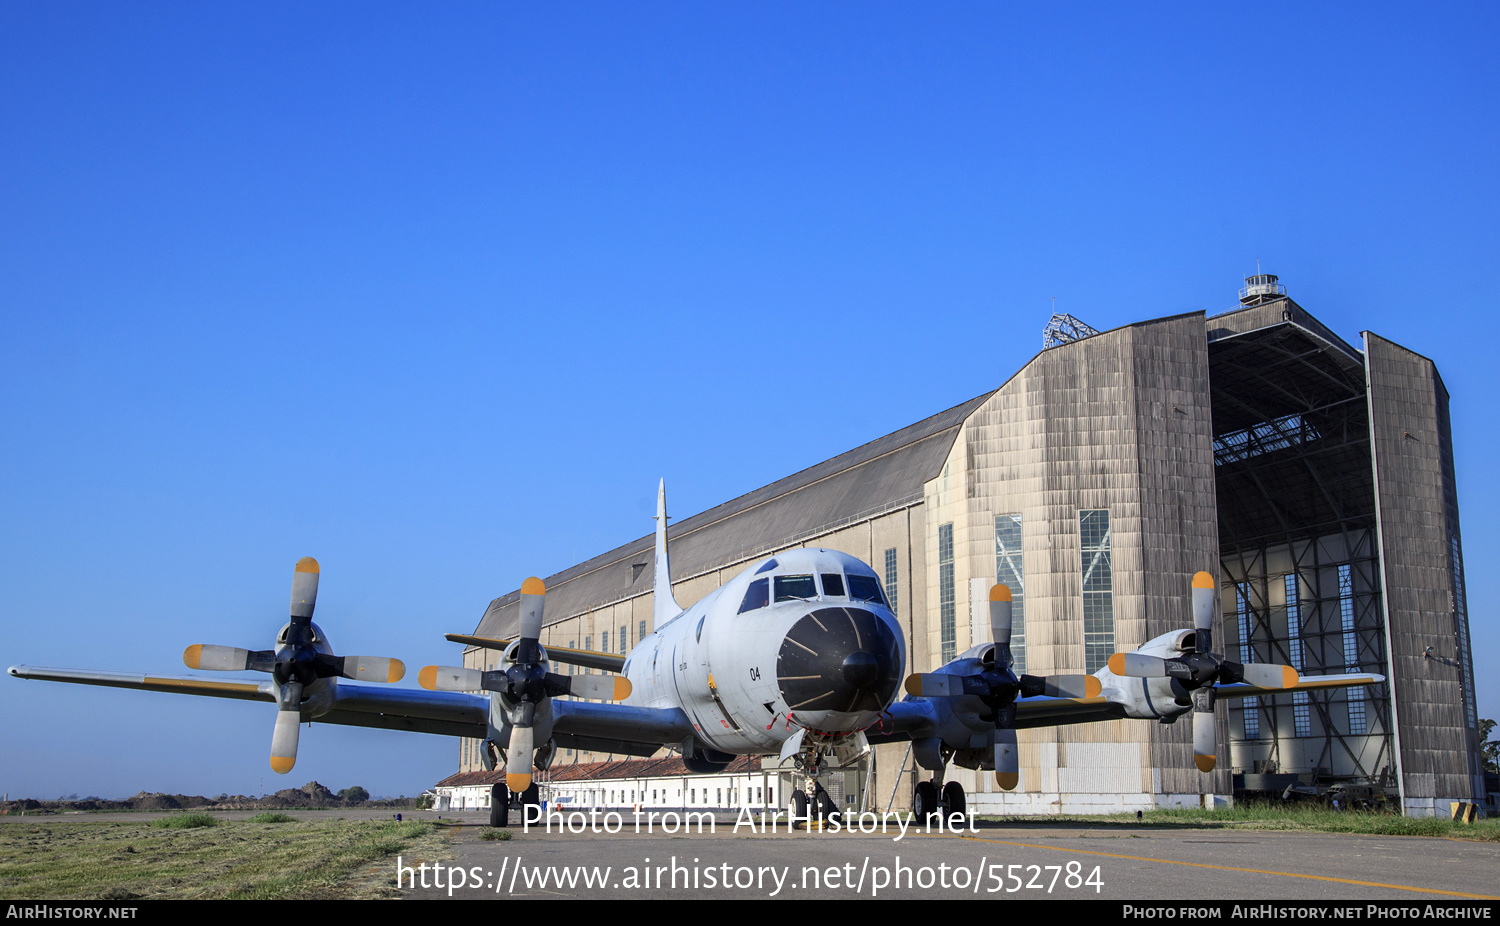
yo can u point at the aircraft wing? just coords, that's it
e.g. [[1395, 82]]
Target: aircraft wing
[[619, 728], [607, 662], [440, 712], [919, 718]]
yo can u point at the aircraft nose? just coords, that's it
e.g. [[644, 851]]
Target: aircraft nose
[[839, 659]]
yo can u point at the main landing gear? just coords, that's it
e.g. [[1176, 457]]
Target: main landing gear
[[928, 801]]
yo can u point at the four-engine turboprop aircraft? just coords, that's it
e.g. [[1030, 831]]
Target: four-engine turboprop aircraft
[[799, 656]]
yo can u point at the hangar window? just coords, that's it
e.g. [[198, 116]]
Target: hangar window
[[1095, 542], [1011, 570], [757, 596], [1266, 437], [947, 606], [1251, 705], [833, 585], [865, 588], [890, 576], [801, 588]]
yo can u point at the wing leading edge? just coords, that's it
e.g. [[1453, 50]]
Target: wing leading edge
[[414, 710]]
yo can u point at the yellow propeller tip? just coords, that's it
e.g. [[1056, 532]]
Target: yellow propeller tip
[[306, 564], [1204, 763], [1007, 780], [282, 764], [398, 671], [517, 782], [1203, 580], [427, 677], [192, 655], [914, 685], [1117, 663], [1092, 687], [999, 592], [533, 586], [622, 688]]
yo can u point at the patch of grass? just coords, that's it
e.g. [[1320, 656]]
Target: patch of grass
[[494, 835], [272, 816], [67, 860], [185, 821]]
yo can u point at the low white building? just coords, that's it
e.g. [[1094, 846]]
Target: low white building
[[647, 784]]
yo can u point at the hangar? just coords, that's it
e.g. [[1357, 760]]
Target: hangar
[[1314, 477]]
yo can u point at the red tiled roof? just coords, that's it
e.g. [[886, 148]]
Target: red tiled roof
[[603, 771]]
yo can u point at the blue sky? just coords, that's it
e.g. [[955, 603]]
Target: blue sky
[[437, 295]]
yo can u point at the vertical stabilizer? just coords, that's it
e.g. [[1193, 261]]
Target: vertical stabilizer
[[663, 606]]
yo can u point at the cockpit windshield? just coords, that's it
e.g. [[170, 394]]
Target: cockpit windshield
[[865, 588], [833, 585], [790, 588], [756, 596]]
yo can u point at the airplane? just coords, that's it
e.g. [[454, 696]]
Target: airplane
[[799, 656]]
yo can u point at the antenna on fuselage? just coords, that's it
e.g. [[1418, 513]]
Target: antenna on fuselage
[[664, 606]]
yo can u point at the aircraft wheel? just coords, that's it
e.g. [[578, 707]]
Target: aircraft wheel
[[499, 805], [799, 805], [953, 798], [529, 797], [925, 803], [827, 809]]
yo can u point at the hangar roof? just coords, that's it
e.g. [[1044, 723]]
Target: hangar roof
[[883, 475]]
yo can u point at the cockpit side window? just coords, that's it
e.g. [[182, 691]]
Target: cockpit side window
[[865, 588], [789, 588], [833, 585], [757, 596], [769, 565]]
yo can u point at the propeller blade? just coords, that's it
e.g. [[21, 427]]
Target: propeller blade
[[1007, 759], [533, 596], [1269, 675], [450, 678], [599, 687], [934, 685], [1203, 610], [216, 658], [1072, 686], [1205, 753], [1000, 609], [288, 722], [1137, 665], [304, 588], [518, 759], [374, 669]]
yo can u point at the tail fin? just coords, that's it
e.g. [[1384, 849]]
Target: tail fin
[[664, 607]]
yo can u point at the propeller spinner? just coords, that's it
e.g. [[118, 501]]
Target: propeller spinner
[[1200, 671], [296, 664]]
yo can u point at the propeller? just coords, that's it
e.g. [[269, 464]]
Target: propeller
[[998, 687], [526, 684], [1200, 671], [296, 664]]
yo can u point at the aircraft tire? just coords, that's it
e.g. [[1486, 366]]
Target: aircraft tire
[[925, 802], [953, 798], [499, 805], [799, 805], [532, 795], [827, 809]]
